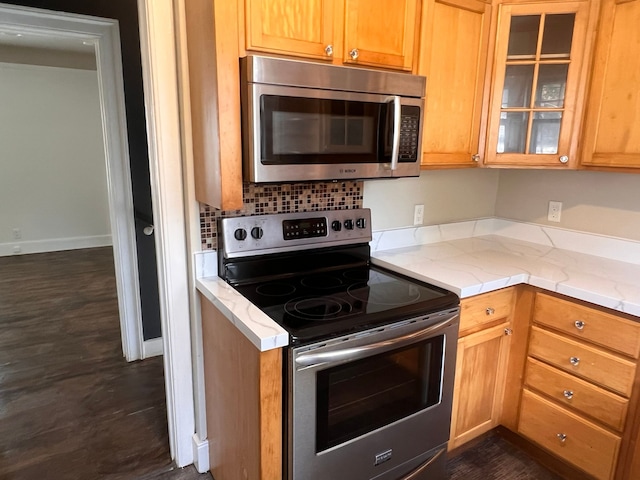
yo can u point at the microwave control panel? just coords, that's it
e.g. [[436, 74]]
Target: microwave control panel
[[409, 128]]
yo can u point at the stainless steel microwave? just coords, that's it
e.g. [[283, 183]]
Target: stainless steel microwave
[[304, 121]]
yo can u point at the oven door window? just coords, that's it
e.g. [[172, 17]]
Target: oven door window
[[295, 130], [358, 397]]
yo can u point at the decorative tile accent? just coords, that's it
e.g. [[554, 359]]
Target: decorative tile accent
[[282, 198]]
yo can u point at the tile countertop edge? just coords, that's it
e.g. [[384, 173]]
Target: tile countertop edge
[[254, 324]]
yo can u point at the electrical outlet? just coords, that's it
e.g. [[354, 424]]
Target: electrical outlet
[[17, 234], [418, 215], [555, 211]]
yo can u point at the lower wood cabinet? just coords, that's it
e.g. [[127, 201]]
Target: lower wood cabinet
[[481, 364], [479, 385], [579, 383], [569, 436], [243, 389]]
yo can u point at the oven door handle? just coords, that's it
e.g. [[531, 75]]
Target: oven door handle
[[397, 118], [355, 353]]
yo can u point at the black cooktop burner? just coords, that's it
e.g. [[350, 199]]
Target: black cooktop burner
[[328, 304]]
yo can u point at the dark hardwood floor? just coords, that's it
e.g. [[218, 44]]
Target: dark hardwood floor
[[71, 407]]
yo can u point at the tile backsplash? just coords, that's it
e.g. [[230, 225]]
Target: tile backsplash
[[283, 198]]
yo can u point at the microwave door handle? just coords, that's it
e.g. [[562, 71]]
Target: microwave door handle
[[355, 353], [395, 147]]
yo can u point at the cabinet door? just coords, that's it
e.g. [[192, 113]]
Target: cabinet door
[[536, 83], [293, 27], [455, 37], [381, 33], [612, 128], [479, 385]]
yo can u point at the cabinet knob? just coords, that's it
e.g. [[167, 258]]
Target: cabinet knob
[[568, 394], [564, 159], [562, 437], [508, 331], [329, 50], [490, 311], [574, 361], [579, 324], [475, 157], [354, 54]]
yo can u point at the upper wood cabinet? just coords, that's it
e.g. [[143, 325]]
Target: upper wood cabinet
[[453, 56], [537, 84], [210, 30], [379, 33], [292, 27], [611, 135]]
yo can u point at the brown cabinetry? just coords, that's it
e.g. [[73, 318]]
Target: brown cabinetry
[[379, 33], [290, 27], [537, 84], [243, 389], [569, 436], [579, 379], [453, 56], [211, 35], [481, 364], [611, 136]]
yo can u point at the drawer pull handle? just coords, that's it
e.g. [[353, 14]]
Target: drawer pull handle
[[490, 311], [508, 331], [574, 361], [562, 437], [568, 394], [579, 324]]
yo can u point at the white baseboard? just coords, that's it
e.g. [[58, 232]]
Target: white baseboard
[[20, 247], [200, 454], [152, 348]]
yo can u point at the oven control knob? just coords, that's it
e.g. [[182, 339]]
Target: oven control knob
[[348, 224], [257, 232], [336, 226], [240, 234], [361, 223]]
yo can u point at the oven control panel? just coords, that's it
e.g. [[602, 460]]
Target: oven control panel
[[304, 228], [282, 232]]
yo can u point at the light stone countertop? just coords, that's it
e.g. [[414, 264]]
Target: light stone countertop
[[482, 262], [470, 258], [258, 327]]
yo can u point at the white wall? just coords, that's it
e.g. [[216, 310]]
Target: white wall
[[597, 202], [447, 196], [53, 185]]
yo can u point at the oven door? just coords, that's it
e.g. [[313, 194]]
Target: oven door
[[376, 404], [301, 134]]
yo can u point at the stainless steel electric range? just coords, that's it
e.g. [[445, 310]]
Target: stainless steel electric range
[[369, 370]]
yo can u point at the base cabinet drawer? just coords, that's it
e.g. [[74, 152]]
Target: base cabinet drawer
[[590, 363], [481, 311], [577, 395], [584, 323], [568, 436]]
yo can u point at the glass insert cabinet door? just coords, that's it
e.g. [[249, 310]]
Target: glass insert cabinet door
[[539, 55]]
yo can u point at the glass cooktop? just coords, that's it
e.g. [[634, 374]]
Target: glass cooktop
[[325, 304]]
